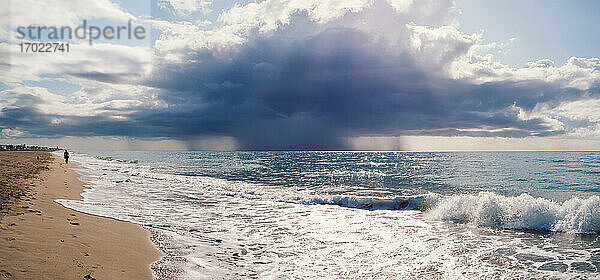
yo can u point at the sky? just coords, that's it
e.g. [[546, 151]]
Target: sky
[[552, 29], [306, 75]]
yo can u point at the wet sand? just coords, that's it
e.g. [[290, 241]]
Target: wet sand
[[40, 239]]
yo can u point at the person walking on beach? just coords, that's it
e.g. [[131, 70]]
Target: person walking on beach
[[66, 157]]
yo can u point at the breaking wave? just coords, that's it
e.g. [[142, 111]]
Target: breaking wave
[[367, 203], [524, 212]]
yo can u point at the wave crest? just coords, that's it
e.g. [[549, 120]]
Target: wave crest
[[576, 215]]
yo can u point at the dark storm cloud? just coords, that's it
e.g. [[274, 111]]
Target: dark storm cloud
[[279, 92], [294, 92]]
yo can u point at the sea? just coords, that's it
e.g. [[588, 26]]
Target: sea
[[354, 215]]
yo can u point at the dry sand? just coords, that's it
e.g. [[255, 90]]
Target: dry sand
[[16, 170], [40, 239]]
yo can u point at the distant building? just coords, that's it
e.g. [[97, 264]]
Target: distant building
[[24, 147]]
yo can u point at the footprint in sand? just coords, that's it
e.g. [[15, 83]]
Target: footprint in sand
[[73, 221], [5, 274]]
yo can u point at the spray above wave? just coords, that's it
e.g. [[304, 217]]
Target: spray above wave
[[576, 215]]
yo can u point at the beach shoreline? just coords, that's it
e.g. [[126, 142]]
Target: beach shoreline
[[41, 239]]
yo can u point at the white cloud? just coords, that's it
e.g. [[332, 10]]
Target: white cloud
[[241, 22], [11, 133], [107, 100], [60, 12], [579, 118], [438, 47], [236, 25], [187, 7], [542, 63], [269, 15], [580, 73], [118, 61]]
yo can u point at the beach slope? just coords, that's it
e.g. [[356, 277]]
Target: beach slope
[[40, 239]]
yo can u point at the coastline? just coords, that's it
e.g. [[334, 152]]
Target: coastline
[[41, 239]]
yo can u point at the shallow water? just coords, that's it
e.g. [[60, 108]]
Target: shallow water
[[354, 215]]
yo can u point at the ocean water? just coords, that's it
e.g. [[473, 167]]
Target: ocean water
[[355, 215]]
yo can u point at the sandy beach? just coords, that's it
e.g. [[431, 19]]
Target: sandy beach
[[40, 239]]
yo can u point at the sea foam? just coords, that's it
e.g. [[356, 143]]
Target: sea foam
[[576, 215], [367, 203], [487, 209], [213, 227]]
